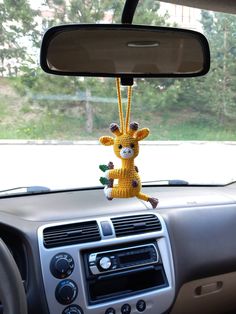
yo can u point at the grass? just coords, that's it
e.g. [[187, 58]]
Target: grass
[[72, 128], [4, 110], [189, 132], [191, 125], [21, 120]]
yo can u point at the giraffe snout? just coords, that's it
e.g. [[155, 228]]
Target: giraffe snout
[[127, 152]]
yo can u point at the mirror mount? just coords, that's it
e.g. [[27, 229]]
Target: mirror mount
[[128, 11], [127, 80]]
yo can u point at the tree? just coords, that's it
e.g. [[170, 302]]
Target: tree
[[222, 78], [147, 13], [215, 93], [16, 21], [81, 11]]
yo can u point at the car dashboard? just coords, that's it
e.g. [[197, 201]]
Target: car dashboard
[[80, 253]]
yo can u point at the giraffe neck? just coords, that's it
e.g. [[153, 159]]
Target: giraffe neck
[[128, 163]]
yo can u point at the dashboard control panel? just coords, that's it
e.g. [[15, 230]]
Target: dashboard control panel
[[114, 275]]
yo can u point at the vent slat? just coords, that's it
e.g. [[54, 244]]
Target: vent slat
[[131, 225], [68, 241], [123, 225], [71, 234], [143, 228], [70, 237], [63, 231], [149, 217], [68, 233]]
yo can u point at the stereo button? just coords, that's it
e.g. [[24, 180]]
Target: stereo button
[[62, 265], [141, 305], [105, 263], [92, 257], [73, 309], [126, 309], [66, 291], [110, 311]]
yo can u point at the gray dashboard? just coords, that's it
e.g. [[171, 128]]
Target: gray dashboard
[[198, 230]]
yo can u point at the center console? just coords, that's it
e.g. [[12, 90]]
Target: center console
[[117, 264]]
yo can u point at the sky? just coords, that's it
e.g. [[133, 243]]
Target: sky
[[35, 3], [183, 16]]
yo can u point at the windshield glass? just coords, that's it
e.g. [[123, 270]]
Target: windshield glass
[[50, 125]]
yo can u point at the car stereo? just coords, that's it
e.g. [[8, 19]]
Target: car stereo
[[123, 270], [120, 259]]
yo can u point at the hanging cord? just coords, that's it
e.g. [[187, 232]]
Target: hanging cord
[[127, 120], [120, 105]]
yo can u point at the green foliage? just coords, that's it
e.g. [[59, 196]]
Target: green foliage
[[16, 21], [3, 108], [155, 95], [147, 13], [214, 93], [62, 107]]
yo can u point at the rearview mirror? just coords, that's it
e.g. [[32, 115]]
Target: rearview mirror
[[124, 51]]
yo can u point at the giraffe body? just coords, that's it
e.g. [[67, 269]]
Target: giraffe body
[[129, 183], [126, 148]]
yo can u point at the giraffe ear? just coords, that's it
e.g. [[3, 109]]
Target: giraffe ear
[[106, 140], [141, 134]]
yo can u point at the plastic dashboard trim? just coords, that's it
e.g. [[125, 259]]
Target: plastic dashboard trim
[[158, 301]]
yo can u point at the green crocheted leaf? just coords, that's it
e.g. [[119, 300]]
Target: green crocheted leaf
[[104, 181], [103, 167]]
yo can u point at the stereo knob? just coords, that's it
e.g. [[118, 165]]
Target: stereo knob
[[66, 292], [62, 265], [105, 263]]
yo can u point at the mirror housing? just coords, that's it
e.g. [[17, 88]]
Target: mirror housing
[[126, 51]]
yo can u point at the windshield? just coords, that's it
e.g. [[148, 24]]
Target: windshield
[[50, 125]]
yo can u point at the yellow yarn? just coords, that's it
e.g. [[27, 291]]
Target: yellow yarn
[[120, 105], [128, 109]]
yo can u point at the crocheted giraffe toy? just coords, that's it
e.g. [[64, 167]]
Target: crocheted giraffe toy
[[126, 147]]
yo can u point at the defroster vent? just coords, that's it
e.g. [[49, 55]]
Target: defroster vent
[[130, 225], [71, 234]]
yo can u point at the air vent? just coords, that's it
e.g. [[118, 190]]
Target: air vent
[[130, 225], [71, 234]]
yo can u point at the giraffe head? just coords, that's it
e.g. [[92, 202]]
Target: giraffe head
[[125, 144]]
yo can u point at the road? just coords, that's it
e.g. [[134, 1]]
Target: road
[[59, 165]]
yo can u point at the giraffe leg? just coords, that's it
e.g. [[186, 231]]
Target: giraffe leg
[[107, 192], [115, 192], [153, 201], [143, 196], [118, 192], [110, 181]]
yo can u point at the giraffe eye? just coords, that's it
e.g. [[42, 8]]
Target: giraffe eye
[[120, 146], [132, 145]]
